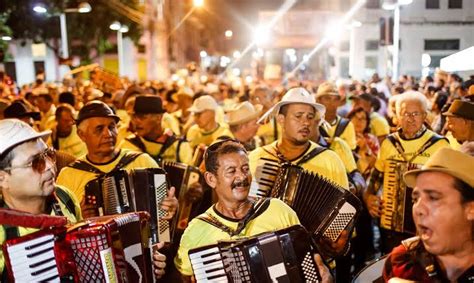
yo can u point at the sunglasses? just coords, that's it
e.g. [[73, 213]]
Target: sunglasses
[[38, 162]]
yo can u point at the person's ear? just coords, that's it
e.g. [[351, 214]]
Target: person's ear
[[470, 211], [211, 179], [4, 179], [280, 119], [81, 134]]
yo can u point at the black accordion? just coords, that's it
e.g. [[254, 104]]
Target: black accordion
[[182, 176], [138, 190], [281, 256], [323, 207], [103, 249]]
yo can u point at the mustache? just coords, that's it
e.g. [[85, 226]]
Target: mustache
[[243, 183]]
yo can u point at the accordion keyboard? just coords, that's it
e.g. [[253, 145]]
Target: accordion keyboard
[[34, 261], [265, 175], [208, 265], [390, 186]]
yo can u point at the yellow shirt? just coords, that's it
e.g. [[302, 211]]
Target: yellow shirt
[[389, 152], [277, 216], [73, 144], [25, 231], [348, 135], [170, 122], [339, 146], [269, 132], [453, 142], [76, 180], [197, 136], [327, 163], [170, 154], [378, 125]]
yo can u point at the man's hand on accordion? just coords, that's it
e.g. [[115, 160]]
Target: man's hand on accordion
[[374, 205], [170, 204], [88, 210], [326, 276], [159, 261]]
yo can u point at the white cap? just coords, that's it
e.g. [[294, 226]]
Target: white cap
[[292, 96], [211, 88], [15, 132], [205, 102]]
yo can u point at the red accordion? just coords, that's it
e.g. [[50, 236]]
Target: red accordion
[[112, 248]]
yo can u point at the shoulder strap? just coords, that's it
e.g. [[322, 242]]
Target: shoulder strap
[[136, 141], [396, 143], [313, 153], [85, 166], [432, 140], [126, 159], [169, 142], [341, 126], [67, 200], [180, 141], [323, 132]]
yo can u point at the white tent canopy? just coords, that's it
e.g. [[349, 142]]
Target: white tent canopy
[[460, 61]]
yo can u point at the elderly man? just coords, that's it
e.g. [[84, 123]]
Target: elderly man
[[150, 137], [460, 121], [207, 129], [242, 120], [297, 113], [228, 174], [334, 126], [97, 127], [27, 172], [410, 147], [443, 211]]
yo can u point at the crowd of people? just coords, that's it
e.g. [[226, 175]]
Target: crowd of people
[[375, 138]]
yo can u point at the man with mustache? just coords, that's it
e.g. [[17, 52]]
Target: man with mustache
[[297, 113], [443, 211], [408, 148], [234, 215]]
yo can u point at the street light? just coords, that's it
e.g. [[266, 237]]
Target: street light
[[121, 29], [6, 38], [395, 6], [198, 3], [40, 9], [228, 33]]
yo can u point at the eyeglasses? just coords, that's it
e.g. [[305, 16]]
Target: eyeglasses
[[38, 162], [412, 115]]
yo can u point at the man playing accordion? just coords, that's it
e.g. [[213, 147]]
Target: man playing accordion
[[235, 215], [408, 148]]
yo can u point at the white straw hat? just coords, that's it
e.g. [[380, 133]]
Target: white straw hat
[[15, 132]]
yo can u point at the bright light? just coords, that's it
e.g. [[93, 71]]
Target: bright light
[[236, 54], [123, 29], [6, 38], [203, 79], [334, 32], [225, 59], [306, 58], [261, 35], [293, 58], [228, 33], [248, 79], [356, 24], [405, 2], [203, 54], [290, 52], [115, 26], [236, 72], [40, 9], [332, 51], [223, 64], [425, 60], [198, 3], [174, 77], [84, 7], [389, 6]]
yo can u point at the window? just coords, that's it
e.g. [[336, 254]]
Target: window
[[436, 60], [371, 62], [344, 67], [371, 45], [372, 4], [432, 4], [455, 4], [442, 44]]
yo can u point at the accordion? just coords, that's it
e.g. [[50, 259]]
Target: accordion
[[265, 177], [324, 208], [281, 256], [104, 249], [138, 190], [397, 208], [182, 176]]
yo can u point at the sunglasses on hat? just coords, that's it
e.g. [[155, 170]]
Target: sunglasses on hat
[[38, 162]]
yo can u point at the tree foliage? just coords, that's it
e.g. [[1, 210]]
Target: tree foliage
[[88, 34]]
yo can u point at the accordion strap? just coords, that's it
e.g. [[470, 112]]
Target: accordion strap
[[124, 161], [313, 153], [397, 144], [257, 208]]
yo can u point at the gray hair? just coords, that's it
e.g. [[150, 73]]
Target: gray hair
[[411, 95], [83, 126]]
